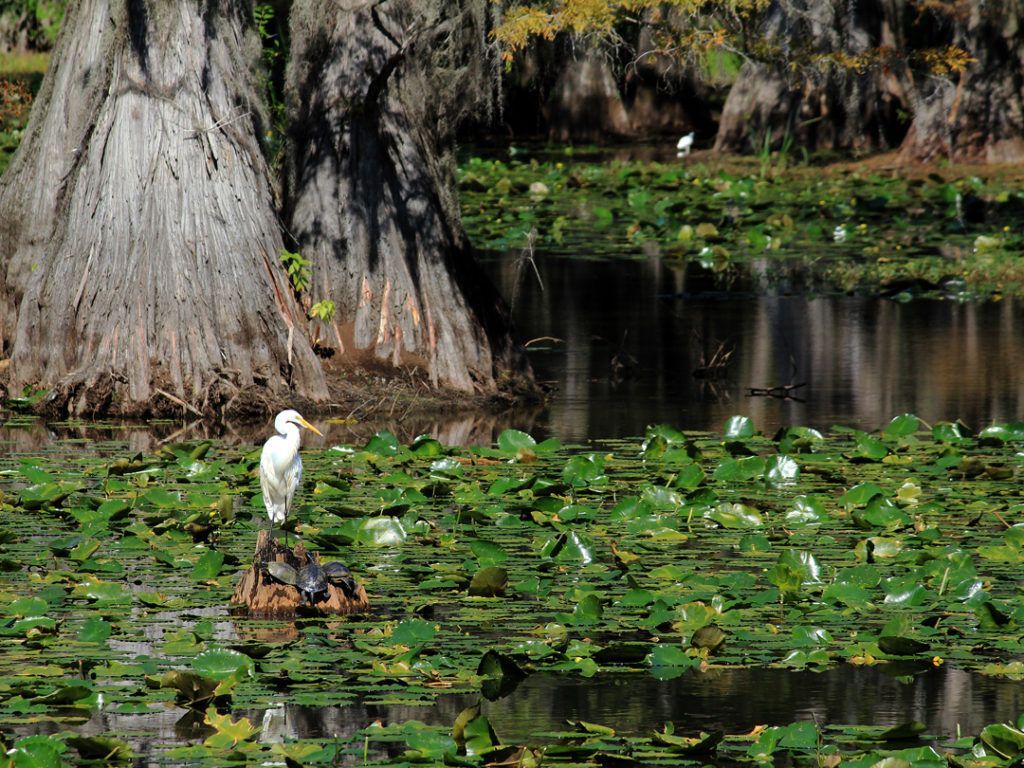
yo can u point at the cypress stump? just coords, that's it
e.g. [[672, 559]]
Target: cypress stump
[[261, 595]]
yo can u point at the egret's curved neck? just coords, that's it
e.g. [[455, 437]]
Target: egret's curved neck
[[291, 434]]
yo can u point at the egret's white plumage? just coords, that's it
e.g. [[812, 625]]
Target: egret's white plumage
[[684, 145], [281, 466]]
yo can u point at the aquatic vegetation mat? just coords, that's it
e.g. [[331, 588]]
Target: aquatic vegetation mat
[[668, 555], [769, 226]]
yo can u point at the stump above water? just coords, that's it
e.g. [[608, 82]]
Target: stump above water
[[261, 595]]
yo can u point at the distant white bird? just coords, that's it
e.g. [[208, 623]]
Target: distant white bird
[[684, 145], [281, 466]]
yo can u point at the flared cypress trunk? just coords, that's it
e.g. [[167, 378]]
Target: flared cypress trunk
[[823, 104], [140, 239], [978, 114], [374, 92]]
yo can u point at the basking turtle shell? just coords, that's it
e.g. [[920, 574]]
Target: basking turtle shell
[[340, 576], [311, 582], [282, 572]]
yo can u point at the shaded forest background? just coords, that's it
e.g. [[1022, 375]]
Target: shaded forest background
[[930, 78]]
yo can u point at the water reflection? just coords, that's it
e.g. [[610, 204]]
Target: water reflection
[[735, 700], [948, 701], [862, 360]]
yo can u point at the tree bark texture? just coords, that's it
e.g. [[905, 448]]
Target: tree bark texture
[[139, 230], [978, 115], [371, 192], [585, 103], [820, 105], [260, 595]]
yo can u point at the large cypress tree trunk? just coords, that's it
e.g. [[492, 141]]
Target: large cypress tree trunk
[[978, 114], [825, 102], [375, 91], [140, 240]]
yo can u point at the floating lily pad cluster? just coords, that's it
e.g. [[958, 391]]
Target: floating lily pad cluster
[[665, 555], [843, 228]]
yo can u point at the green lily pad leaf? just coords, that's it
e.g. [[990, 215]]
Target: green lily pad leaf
[[584, 471], [860, 495], [903, 731], [426, 743], [870, 448], [84, 550], [881, 513], [705, 744], [222, 663], [27, 606], [799, 440], [37, 752], [878, 547], [735, 516], [904, 591], [1003, 739], [739, 428], [383, 531], [95, 630], [568, 547], [781, 470], [44, 496], [488, 553], [208, 565], [489, 582], [806, 511], [228, 733], [902, 646], [413, 632], [689, 477], [948, 432], [902, 426], [593, 728], [159, 497], [29, 626], [850, 595], [67, 695], [1012, 432], [518, 443], [751, 543], [709, 637], [668, 662], [102, 592], [588, 610], [740, 470], [191, 688], [476, 735], [425, 445], [802, 735], [501, 674], [104, 748], [383, 443]]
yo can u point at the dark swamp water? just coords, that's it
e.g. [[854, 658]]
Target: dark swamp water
[[621, 340]]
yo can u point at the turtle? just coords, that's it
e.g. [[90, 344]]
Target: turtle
[[340, 576], [311, 582], [281, 572]]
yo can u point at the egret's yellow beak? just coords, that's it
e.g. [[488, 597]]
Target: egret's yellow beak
[[310, 427]]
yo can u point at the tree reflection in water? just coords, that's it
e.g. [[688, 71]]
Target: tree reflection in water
[[864, 359]]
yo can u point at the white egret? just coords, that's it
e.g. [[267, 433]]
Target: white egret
[[684, 145], [281, 466]]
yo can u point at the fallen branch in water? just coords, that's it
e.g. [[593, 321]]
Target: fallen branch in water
[[783, 392]]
